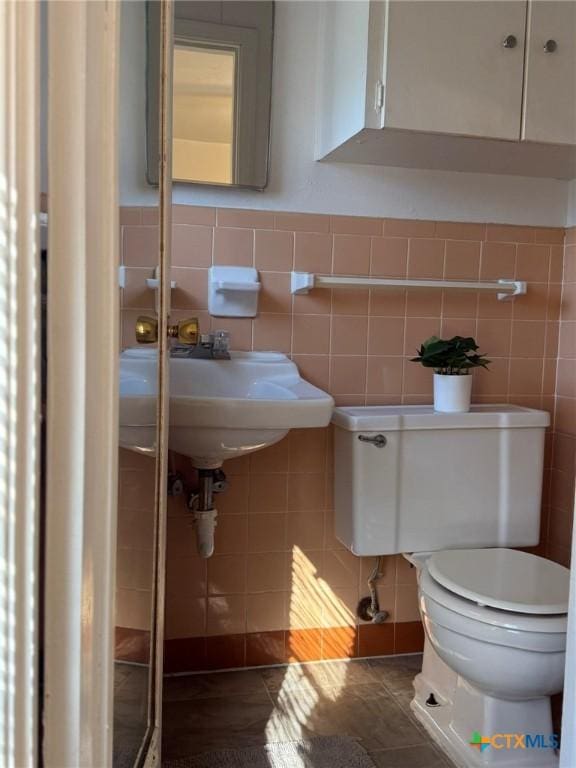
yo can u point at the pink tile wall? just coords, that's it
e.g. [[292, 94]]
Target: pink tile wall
[[560, 502], [356, 343], [277, 564], [135, 542]]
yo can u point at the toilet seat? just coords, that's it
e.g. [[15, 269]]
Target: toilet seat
[[539, 632], [503, 579]]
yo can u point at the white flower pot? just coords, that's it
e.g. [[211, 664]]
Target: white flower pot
[[452, 394]]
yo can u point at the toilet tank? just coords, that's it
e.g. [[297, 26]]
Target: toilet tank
[[408, 479]]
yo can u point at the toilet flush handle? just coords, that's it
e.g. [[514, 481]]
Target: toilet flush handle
[[378, 440]]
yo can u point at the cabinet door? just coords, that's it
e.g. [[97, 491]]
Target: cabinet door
[[447, 69], [550, 88]]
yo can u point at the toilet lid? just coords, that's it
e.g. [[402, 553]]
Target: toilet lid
[[503, 578]]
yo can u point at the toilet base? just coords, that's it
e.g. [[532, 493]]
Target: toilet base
[[462, 710]]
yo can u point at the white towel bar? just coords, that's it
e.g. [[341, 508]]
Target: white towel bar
[[303, 282]]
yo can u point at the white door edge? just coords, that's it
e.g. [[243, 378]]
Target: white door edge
[[82, 439], [568, 745], [19, 381]]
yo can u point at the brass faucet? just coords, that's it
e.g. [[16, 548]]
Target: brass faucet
[[189, 341], [186, 331], [210, 346]]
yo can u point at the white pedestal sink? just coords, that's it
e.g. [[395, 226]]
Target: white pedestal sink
[[219, 409]]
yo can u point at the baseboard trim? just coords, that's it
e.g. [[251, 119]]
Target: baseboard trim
[[132, 645], [260, 649]]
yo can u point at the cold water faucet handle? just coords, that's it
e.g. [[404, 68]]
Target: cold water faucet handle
[[185, 331], [221, 345]]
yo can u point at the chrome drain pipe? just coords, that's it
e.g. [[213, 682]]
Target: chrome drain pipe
[[201, 504]]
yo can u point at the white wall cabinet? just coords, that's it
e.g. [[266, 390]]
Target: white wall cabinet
[[473, 85], [549, 113], [447, 70]]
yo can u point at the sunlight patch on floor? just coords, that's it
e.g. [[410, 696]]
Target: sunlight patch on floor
[[313, 606]]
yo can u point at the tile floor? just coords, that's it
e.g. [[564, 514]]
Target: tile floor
[[130, 712], [366, 699]]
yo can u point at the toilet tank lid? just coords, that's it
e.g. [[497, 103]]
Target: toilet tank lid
[[503, 578], [406, 417]]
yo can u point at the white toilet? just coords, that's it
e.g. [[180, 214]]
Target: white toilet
[[453, 492]]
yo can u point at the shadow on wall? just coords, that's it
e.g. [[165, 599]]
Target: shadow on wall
[[280, 587]]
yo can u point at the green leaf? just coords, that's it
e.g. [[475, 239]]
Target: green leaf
[[452, 356]]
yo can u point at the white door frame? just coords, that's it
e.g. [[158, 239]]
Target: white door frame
[[19, 381], [82, 430], [568, 746], [166, 33], [83, 348]]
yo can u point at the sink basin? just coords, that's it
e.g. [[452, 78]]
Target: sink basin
[[219, 409]]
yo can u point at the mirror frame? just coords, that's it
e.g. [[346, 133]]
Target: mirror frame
[[198, 32]]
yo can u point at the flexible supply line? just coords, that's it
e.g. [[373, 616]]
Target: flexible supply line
[[369, 607]]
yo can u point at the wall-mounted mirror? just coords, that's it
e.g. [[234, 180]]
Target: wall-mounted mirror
[[221, 92]]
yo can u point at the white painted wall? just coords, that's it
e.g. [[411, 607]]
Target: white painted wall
[[297, 181]]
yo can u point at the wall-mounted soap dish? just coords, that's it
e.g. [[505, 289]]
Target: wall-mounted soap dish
[[233, 291]]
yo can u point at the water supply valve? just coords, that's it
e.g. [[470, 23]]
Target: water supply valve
[[219, 481], [175, 484]]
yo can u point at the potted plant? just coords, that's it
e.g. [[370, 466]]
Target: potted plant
[[453, 361]]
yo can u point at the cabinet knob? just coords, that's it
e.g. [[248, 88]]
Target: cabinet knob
[[510, 41], [550, 46]]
